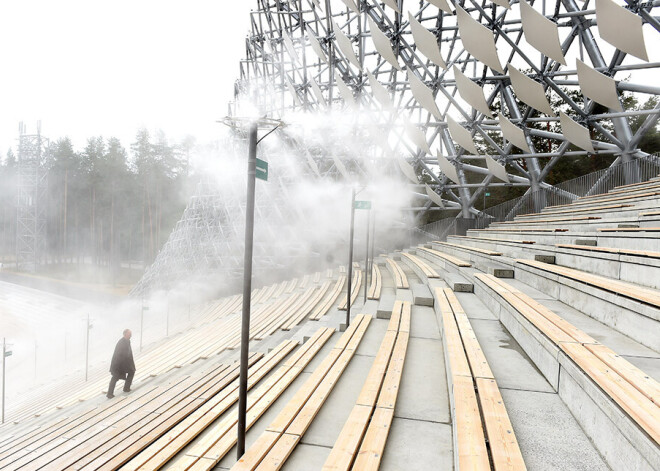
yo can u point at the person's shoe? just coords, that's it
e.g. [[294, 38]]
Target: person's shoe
[[109, 396], [127, 390]]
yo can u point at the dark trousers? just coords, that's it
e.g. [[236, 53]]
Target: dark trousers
[[128, 379]]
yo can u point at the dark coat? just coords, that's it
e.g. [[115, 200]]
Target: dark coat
[[122, 360]]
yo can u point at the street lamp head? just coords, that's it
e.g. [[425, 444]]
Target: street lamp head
[[244, 123]]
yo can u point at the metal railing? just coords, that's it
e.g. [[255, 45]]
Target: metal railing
[[566, 192]]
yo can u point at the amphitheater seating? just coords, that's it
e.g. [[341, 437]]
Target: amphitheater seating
[[477, 404], [325, 305], [167, 446], [362, 440], [400, 278], [633, 390], [453, 260], [549, 212], [355, 290], [611, 250], [376, 285], [284, 433], [90, 441], [429, 272], [216, 329], [629, 229], [489, 253], [494, 239], [638, 293]]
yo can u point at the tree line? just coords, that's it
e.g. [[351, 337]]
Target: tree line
[[105, 205]]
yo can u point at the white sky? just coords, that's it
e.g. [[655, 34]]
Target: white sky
[[86, 67]]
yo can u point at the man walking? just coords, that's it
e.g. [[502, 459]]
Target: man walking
[[122, 365]]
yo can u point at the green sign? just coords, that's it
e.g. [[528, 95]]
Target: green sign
[[362, 205], [8, 353], [487, 194], [262, 170]]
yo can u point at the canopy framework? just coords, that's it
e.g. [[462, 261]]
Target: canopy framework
[[353, 54]]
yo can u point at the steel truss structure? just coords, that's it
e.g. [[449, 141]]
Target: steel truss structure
[[206, 246], [472, 94], [31, 194]]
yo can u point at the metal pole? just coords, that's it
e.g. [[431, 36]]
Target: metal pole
[[366, 258], [167, 317], [373, 237], [141, 322], [4, 353], [87, 349], [350, 261], [247, 290]]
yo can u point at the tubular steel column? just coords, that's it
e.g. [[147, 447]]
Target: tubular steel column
[[247, 289], [350, 261]]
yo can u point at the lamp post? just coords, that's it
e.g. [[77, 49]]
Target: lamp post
[[363, 205], [253, 126]]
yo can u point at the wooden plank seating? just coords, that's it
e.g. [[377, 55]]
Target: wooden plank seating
[[478, 412], [291, 286], [629, 229], [649, 213], [278, 320], [400, 278], [509, 229], [307, 308], [631, 389], [317, 277], [160, 451], [362, 439], [454, 260], [628, 290], [376, 283], [325, 305], [612, 250], [144, 411], [495, 239], [273, 447], [608, 199], [490, 253], [355, 290], [550, 212], [552, 220], [211, 406], [428, 270], [304, 281], [205, 453], [280, 289]]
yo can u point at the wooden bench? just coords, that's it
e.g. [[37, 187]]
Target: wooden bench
[[506, 229], [274, 446], [428, 270], [612, 250], [631, 389], [478, 409], [489, 253], [308, 307], [552, 220], [495, 239], [362, 440], [355, 290], [376, 283], [609, 199], [400, 278], [629, 229], [453, 260], [621, 288], [649, 213], [322, 309], [220, 437], [99, 436], [564, 211], [166, 447]]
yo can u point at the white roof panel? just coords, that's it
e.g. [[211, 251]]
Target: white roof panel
[[461, 136], [621, 28], [471, 92], [575, 133], [478, 40], [448, 169], [433, 196], [541, 33], [529, 91], [513, 133], [426, 42], [598, 87], [496, 169], [423, 94], [345, 45], [382, 43]]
